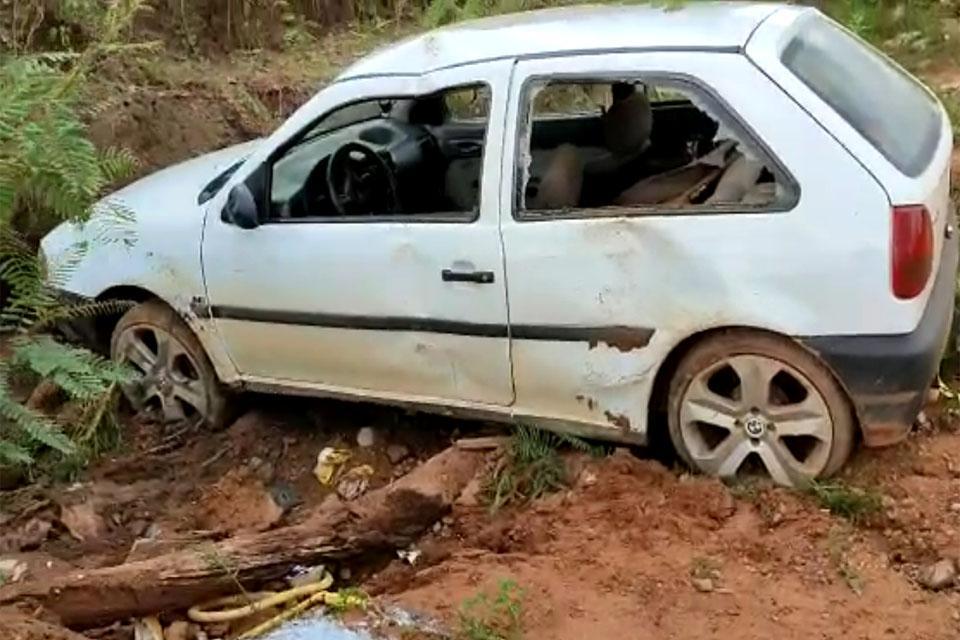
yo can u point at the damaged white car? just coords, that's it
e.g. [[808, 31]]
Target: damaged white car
[[727, 225]]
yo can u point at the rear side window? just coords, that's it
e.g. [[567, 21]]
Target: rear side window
[[882, 102]]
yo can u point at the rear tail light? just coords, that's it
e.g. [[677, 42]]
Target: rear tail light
[[912, 251]]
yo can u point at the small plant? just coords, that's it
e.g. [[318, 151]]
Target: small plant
[[854, 504], [347, 599], [532, 466], [220, 563], [497, 618]]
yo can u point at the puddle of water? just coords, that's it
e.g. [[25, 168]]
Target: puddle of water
[[315, 627]]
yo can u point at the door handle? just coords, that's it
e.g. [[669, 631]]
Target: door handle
[[480, 277], [468, 147]]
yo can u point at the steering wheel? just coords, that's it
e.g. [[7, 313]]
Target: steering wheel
[[360, 181]]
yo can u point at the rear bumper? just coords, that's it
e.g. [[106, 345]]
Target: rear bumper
[[887, 376]]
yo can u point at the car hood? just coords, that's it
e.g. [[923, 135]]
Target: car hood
[[153, 224], [177, 187]]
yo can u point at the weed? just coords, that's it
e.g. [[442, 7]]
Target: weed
[[852, 503], [747, 489], [838, 546], [499, 618], [348, 599], [218, 562], [532, 466]]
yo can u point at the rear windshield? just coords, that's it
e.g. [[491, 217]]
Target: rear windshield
[[884, 104]]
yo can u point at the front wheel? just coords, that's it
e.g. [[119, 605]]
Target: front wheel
[[743, 398], [177, 380]]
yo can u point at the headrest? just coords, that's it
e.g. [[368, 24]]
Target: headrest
[[627, 124]]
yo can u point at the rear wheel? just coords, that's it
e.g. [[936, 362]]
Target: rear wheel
[[177, 381], [748, 400]]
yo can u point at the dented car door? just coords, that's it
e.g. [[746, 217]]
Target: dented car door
[[404, 308]]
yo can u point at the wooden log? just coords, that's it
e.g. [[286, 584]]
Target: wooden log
[[386, 518]]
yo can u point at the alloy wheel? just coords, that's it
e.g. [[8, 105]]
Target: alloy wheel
[[756, 408], [171, 384]]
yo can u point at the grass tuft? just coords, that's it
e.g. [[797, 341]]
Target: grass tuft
[[851, 503], [496, 618]]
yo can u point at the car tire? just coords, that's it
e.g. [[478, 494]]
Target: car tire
[[738, 395], [177, 379]]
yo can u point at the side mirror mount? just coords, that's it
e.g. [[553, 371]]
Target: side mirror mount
[[241, 208]]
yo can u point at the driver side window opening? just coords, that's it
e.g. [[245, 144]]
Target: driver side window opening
[[416, 157], [622, 146]]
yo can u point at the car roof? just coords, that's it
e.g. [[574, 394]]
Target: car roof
[[701, 26]]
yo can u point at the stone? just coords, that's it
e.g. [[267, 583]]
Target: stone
[[939, 575], [366, 437], [11, 570], [83, 522], [397, 453], [703, 585], [180, 630]]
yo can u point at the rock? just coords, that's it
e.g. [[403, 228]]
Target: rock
[[345, 573], [396, 453], [83, 522], [284, 495], [180, 630], [366, 437], [939, 575], [703, 585], [27, 536], [955, 507], [11, 570], [215, 630]]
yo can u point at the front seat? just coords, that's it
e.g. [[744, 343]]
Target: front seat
[[562, 182], [626, 128]]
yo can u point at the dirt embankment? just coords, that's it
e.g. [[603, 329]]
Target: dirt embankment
[[632, 549], [623, 554]]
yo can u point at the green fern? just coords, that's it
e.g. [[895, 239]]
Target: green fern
[[50, 172], [82, 374]]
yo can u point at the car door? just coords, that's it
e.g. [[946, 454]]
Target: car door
[[600, 294], [381, 306]]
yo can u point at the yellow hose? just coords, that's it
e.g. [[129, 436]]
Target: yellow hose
[[213, 611]]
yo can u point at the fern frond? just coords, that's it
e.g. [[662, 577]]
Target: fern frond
[[13, 454], [91, 309], [82, 374], [36, 426]]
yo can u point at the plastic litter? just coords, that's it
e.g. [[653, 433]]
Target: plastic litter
[[329, 460]]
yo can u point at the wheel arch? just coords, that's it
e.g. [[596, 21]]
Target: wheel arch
[[657, 404], [202, 329]]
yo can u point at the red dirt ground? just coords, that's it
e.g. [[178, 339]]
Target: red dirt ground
[[614, 556]]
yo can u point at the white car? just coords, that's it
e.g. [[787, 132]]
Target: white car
[[728, 224]]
